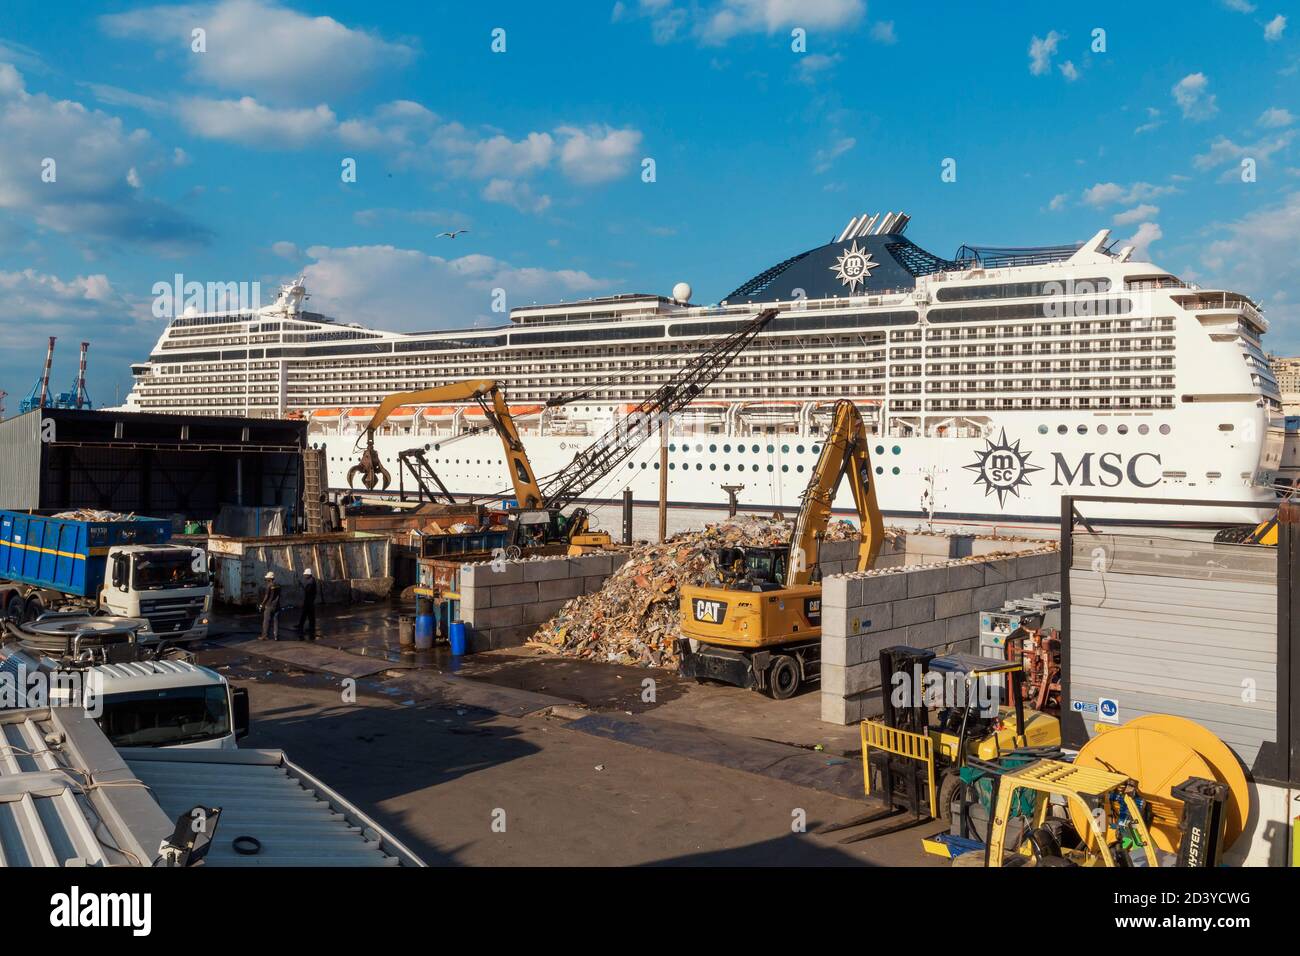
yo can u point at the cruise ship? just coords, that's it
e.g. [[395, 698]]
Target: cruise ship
[[993, 383]]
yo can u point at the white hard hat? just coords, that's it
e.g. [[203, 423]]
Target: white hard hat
[[270, 575], [306, 573]]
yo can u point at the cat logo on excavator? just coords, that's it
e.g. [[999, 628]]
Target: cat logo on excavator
[[710, 612]]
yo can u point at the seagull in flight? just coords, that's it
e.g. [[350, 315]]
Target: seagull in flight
[[451, 235]]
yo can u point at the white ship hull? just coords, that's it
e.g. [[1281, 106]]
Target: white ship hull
[[976, 481]]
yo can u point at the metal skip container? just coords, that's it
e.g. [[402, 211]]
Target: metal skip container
[[348, 566]]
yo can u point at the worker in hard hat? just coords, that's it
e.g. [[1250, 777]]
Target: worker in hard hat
[[307, 619], [270, 608]]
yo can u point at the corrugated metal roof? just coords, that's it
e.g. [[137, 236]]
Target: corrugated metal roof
[[65, 797], [297, 819], [137, 669]]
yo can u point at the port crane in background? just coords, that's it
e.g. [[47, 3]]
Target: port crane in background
[[39, 396], [760, 627], [540, 516], [77, 396]]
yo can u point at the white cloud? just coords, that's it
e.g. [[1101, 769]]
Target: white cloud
[[1224, 150], [1058, 202], [251, 123], [36, 305], [731, 18], [1147, 233], [1069, 71], [1273, 29], [812, 65], [1153, 121], [519, 195], [1240, 6], [1104, 194], [1136, 214], [596, 153], [823, 159], [286, 250], [410, 290], [883, 32], [1274, 117], [261, 48], [1192, 95], [95, 197], [1041, 51], [1256, 255]]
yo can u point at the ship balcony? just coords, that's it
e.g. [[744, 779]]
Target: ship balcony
[[1207, 304]]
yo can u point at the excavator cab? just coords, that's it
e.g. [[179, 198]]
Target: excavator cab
[[752, 569]]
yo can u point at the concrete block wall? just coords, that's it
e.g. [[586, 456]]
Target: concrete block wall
[[503, 604], [935, 606]]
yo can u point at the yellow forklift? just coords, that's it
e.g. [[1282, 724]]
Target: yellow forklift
[[940, 714], [760, 626]]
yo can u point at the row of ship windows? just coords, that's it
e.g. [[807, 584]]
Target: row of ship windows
[[1103, 429]]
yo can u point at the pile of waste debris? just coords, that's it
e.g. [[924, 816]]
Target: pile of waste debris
[[635, 618]]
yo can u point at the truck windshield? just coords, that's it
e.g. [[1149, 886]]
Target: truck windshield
[[167, 569], [165, 718]]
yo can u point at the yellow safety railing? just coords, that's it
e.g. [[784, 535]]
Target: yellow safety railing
[[902, 743]]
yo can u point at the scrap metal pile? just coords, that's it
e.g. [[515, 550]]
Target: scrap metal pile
[[635, 618]]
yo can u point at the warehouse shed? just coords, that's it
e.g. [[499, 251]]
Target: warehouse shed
[[161, 465]]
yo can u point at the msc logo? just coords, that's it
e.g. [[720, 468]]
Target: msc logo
[[1002, 467], [710, 612]]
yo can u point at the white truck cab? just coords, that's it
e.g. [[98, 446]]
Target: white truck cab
[[159, 702], [164, 584]]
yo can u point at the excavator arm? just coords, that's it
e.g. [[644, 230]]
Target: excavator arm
[[490, 398], [845, 452]]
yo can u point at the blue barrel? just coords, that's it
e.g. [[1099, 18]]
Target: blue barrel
[[424, 631], [456, 634]]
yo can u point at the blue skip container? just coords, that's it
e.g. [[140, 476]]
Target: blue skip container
[[456, 634]]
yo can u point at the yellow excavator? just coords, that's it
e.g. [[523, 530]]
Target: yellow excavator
[[533, 523], [760, 627]]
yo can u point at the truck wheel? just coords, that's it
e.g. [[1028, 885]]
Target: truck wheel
[[949, 790], [14, 609], [32, 610], [783, 677]]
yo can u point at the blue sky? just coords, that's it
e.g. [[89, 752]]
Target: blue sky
[[225, 164]]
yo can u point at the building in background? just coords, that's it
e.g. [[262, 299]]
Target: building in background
[[1287, 372]]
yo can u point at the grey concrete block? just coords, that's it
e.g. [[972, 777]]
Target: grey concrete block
[[965, 576], [835, 594], [835, 651], [875, 617], [550, 569], [563, 588], [833, 678], [838, 710], [989, 598], [965, 627], [884, 587], [475, 598], [998, 571], [952, 603], [595, 564], [1020, 589], [492, 575], [514, 636], [594, 582], [913, 611], [492, 617], [617, 559], [928, 581], [934, 545], [929, 634], [542, 611], [508, 594]]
